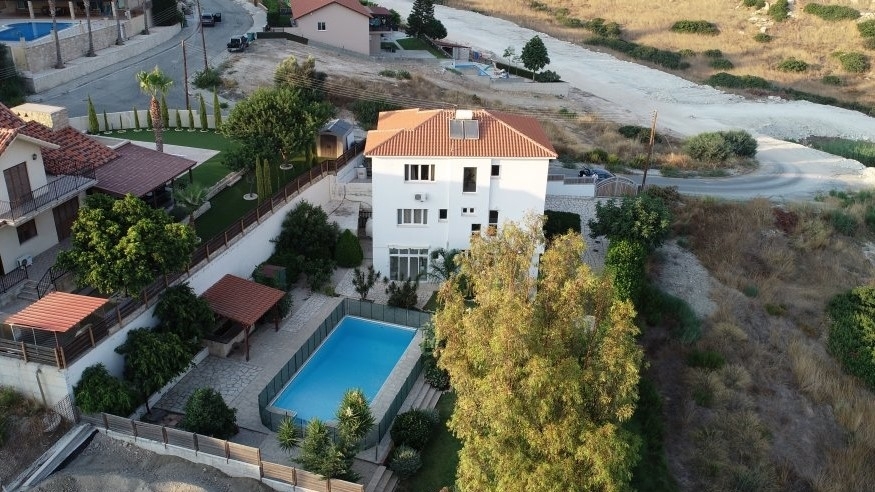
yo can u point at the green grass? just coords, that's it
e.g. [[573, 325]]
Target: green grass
[[431, 304], [440, 456], [418, 44], [651, 472], [860, 150]]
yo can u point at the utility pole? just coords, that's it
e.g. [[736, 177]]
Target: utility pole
[[185, 73], [201, 27], [649, 151]]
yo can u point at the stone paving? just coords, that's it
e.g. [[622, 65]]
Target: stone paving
[[226, 376]]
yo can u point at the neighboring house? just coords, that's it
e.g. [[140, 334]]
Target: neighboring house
[[343, 24], [48, 166], [440, 176]]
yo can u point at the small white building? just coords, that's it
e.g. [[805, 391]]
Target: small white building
[[440, 176]]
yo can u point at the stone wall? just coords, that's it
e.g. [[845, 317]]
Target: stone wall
[[40, 54]]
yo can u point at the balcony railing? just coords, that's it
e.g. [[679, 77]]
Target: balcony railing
[[59, 189]]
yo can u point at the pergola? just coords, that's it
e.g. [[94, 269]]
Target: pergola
[[243, 301], [140, 171], [58, 312]]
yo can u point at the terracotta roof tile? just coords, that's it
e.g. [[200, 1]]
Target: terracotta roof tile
[[78, 151], [426, 134], [8, 119], [58, 311], [241, 300], [300, 8], [139, 170], [7, 135]]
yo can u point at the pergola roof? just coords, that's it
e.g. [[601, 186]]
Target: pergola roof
[[241, 300], [58, 312], [139, 170]]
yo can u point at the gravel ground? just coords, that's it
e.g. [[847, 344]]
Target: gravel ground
[[682, 276]]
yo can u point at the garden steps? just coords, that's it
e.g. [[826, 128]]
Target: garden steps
[[382, 481], [28, 291]]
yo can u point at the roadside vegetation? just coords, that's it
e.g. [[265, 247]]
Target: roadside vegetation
[[859, 150]]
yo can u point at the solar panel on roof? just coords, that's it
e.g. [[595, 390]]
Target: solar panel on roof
[[472, 129], [457, 130]]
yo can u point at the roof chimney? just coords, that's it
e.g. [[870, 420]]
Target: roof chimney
[[54, 117]]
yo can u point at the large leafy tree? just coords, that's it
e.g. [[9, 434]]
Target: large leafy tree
[[277, 122], [152, 359], [11, 84], [422, 23], [306, 231], [545, 366], [643, 219], [534, 55], [154, 83], [291, 74], [124, 244], [179, 310]]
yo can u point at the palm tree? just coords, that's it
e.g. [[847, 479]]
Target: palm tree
[[443, 264], [59, 63], [87, 4], [191, 198], [154, 83]]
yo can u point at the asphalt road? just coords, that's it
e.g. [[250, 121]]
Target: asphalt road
[[115, 88]]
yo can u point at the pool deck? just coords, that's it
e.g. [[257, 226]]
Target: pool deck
[[240, 382]]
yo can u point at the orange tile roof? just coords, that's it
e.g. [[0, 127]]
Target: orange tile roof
[[425, 133], [78, 151], [300, 8], [241, 300], [139, 170], [8, 119], [58, 312]]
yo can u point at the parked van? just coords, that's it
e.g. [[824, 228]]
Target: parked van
[[238, 43], [208, 19]]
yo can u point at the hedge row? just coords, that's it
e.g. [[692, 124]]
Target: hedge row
[[852, 332], [668, 59]]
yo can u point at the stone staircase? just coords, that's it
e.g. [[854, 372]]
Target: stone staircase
[[28, 291], [382, 481]]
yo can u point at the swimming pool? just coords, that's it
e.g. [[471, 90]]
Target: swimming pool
[[359, 353], [29, 30]]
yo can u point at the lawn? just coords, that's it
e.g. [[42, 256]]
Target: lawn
[[440, 457], [206, 173], [418, 44]]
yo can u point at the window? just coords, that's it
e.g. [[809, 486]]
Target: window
[[418, 172], [407, 263], [467, 210], [469, 180], [26, 231], [442, 214], [320, 26], [493, 223], [475, 229], [411, 216], [496, 169]]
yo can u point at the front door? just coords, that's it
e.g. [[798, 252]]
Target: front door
[[18, 184], [65, 214]]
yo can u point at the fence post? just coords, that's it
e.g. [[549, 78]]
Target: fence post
[[90, 335], [164, 435], [105, 421], [227, 452], [133, 428], [226, 238], [118, 313], [194, 441], [24, 352], [208, 251]]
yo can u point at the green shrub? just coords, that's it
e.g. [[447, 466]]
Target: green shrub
[[366, 111], [776, 309], [667, 59], [560, 222], [713, 53], [780, 10], [709, 147], [599, 27], [207, 79], [207, 413], [740, 143], [762, 37], [405, 461], [436, 377], [832, 80], [686, 53], [412, 428], [706, 359], [539, 7], [844, 223], [852, 332], [659, 308], [728, 80], [853, 62], [598, 156], [867, 28], [755, 3], [626, 261], [721, 64], [792, 65], [695, 27], [869, 43], [402, 295], [348, 252], [832, 12], [639, 133], [98, 391], [547, 76]]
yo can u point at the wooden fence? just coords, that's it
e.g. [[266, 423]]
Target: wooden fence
[[221, 449], [70, 350]]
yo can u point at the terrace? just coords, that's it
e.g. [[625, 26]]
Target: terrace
[[59, 189]]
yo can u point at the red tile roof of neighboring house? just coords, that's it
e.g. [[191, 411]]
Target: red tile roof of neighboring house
[[377, 10], [139, 170], [241, 300], [413, 132], [300, 8], [58, 311], [77, 151], [8, 119]]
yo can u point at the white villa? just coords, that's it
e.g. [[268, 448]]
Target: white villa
[[440, 176]]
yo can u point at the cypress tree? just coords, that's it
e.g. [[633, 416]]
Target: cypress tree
[[165, 113], [217, 109], [203, 112], [136, 119], [106, 127], [190, 120], [178, 121], [259, 178], [268, 182], [93, 124]]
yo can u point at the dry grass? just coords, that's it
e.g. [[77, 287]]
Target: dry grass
[[803, 36]]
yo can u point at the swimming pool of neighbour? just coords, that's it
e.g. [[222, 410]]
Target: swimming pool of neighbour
[[29, 30], [359, 353]]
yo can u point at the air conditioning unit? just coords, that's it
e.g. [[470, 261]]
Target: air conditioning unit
[[420, 197], [24, 261]]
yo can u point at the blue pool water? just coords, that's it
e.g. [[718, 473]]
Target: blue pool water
[[29, 30], [359, 353]]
